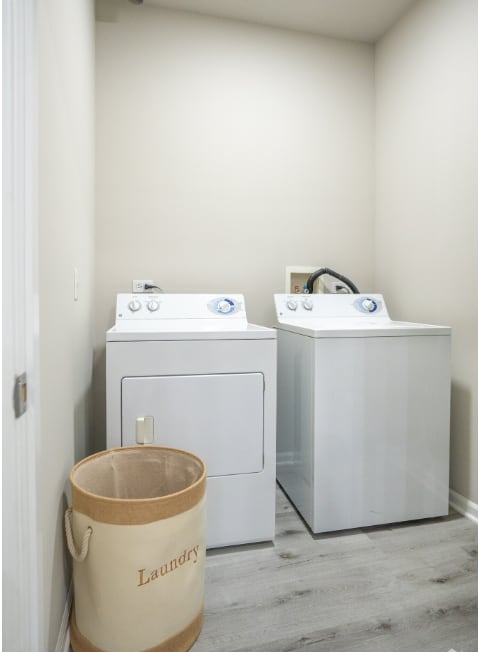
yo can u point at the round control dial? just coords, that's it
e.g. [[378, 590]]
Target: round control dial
[[134, 305], [369, 305], [223, 306], [291, 304], [153, 305], [308, 304]]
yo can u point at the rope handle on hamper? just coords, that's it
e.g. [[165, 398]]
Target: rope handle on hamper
[[77, 556]]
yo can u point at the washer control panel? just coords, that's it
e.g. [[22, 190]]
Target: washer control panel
[[304, 306], [147, 307]]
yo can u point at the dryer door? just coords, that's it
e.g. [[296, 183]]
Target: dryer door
[[219, 417]]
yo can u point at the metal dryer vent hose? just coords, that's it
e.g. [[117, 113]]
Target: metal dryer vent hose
[[331, 272]]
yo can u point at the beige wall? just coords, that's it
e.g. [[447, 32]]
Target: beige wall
[[426, 212], [225, 152], [66, 236]]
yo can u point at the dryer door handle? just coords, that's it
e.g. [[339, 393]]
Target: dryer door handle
[[145, 430]]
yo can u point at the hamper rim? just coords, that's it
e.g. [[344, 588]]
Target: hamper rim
[[190, 487]]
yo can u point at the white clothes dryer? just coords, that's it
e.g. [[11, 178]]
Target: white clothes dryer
[[188, 371], [363, 412]]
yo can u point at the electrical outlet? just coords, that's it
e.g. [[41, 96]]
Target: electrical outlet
[[139, 286]]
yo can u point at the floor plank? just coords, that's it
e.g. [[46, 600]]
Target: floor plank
[[404, 587]]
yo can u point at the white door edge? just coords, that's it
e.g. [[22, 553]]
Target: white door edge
[[21, 555]]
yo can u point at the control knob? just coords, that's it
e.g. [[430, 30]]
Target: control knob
[[308, 304], [134, 305], [153, 305], [223, 306], [291, 304], [369, 305]]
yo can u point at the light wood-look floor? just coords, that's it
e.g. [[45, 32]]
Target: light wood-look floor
[[405, 587]]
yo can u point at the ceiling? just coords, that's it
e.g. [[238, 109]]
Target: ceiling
[[359, 20]]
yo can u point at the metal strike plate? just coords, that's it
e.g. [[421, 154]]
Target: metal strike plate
[[20, 395]]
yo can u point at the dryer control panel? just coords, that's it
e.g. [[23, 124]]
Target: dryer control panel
[[158, 308], [321, 306]]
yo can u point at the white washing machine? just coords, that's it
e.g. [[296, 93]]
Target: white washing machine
[[363, 412], [188, 371]]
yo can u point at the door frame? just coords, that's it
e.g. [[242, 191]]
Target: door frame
[[20, 328]]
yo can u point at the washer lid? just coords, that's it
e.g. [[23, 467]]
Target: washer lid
[[361, 328]]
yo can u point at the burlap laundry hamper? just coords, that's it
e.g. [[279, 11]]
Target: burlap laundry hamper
[[136, 532]]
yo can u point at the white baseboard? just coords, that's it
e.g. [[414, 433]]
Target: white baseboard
[[63, 640], [463, 505]]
